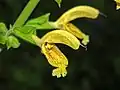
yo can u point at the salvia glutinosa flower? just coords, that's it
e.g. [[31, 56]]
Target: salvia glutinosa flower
[[118, 4], [67, 34], [54, 56]]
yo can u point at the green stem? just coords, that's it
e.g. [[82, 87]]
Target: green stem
[[26, 13]]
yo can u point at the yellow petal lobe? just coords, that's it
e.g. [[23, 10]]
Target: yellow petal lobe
[[59, 72]]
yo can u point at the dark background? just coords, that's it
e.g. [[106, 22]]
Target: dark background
[[98, 68]]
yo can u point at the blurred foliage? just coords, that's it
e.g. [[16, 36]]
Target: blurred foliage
[[98, 68]]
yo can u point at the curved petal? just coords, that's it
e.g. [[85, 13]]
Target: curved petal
[[58, 36], [61, 36], [78, 12]]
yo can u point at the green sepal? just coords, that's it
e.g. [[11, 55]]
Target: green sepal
[[3, 31], [2, 39], [3, 28], [41, 22], [25, 33], [13, 42]]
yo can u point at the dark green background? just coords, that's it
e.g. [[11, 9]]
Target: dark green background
[[98, 68]]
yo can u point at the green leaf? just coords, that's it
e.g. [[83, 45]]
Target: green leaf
[[25, 33], [3, 28], [13, 42], [41, 22], [3, 31], [58, 2], [2, 39]]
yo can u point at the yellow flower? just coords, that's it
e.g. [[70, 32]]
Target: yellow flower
[[67, 34], [54, 56], [77, 12], [118, 4]]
